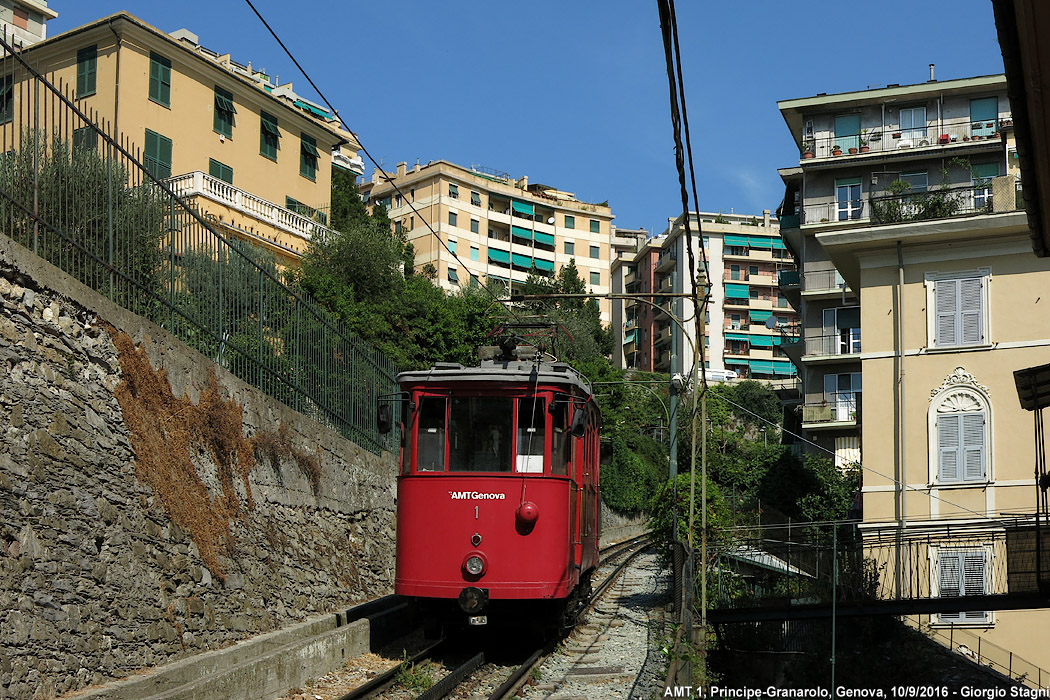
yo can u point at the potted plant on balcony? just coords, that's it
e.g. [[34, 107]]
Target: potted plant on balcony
[[864, 141], [836, 150], [807, 149]]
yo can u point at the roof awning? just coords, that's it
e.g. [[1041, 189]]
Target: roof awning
[[544, 238], [738, 336], [735, 361], [523, 261], [760, 366], [762, 341], [736, 240], [545, 265], [522, 207], [317, 111], [760, 241], [737, 291], [759, 315], [499, 256], [520, 232], [781, 367]]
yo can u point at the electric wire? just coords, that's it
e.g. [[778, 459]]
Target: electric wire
[[364, 150]]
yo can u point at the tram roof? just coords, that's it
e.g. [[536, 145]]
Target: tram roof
[[517, 371]]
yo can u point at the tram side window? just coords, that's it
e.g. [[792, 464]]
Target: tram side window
[[562, 439], [532, 416], [430, 442], [480, 434], [406, 447]]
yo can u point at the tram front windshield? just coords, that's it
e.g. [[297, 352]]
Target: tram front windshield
[[482, 434]]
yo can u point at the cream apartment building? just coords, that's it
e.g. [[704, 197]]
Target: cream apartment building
[[254, 157], [491, 229], [922, 228]]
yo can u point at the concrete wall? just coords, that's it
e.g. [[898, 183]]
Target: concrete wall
[[96, 579]]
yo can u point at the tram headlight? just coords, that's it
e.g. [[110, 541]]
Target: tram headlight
[[474, 565]]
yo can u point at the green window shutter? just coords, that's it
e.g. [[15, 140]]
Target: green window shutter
[[308, 157], [595, 226], [85, 139], [224, 111], [87, 65], [160, 79], [7, 99], [570, 221], [270, 136], [157, 155], [220, 171], [475, 199]]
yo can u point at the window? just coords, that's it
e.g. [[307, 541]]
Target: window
[[85, 139], [475, 253], [752, 270], [7, 99], [481, 435], [430, 440], [734, 272], [398, 200], [157, 155], [87, 65], [452, 218], [532, 423], [453, 191], [596, 252], [475, 225], [224, 111], [160, 79], [594, 226], [596, 278], [270, 135], [847, 131], [399, 227], [962, 572], [841, 331], [452, 247], [982, 175], [958, 303], [570, 248], [984, 116], [913, 122], [220, 170], [475, 199], [841, 394], [570, 221], [453, 275], [847, 198], [753, 293], [960, 447], [20, 17], [918, 180], [308, 157]]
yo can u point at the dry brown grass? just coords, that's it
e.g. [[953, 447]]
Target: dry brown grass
[[165, 433], [277, 447]]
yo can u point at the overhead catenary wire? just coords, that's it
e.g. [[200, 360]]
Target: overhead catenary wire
[[364, 150]]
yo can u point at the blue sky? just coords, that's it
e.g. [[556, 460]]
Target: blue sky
[[574, 93]]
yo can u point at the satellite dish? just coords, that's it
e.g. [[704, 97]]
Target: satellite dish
[[771, 322], [550, 220]]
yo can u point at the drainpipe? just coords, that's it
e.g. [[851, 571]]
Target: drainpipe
[[116, 86], [902, 472]]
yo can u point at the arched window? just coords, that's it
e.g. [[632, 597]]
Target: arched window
[[959, 431]]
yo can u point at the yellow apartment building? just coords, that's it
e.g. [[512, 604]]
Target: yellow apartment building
[[253, 157], [492, 229]]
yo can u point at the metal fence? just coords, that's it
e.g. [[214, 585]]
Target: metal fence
[[84, 200], [682, 647]]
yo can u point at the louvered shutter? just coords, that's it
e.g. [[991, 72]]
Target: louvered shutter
[[949, 581], [971, 328], [948, 434], [973, 567], [973, 446], [946, 293]]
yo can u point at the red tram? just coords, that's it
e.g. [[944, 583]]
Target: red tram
[[497, 497]]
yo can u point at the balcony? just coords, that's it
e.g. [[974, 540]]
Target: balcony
[[830, 347], [667, 261], [841, 412], [790, 284], [201, 184], [662, 337], [957, 134], [823, 282], [630, 278], [666, 284], [997, 195]]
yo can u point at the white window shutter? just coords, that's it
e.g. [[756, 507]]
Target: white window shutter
[[973, 446], [970, 321], [948, 441], [974, 579], [946, 303]]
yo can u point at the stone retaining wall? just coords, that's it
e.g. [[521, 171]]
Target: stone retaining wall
[[96, 579]]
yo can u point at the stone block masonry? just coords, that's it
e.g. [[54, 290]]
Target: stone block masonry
[[101, 565]]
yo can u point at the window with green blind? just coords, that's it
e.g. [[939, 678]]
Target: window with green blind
[[570, 221], [308, 157], [160, 79], [220, 170], [157, 155], [85, 139], [224, 111], [270, 136], [594, 226], [87, 65]]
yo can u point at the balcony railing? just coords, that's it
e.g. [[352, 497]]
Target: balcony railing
[[841, 410], [200, 183], [822, 281], [875, 139], [938, 203], [844, 342]]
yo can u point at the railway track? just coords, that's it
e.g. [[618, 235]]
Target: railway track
[[508, 680]]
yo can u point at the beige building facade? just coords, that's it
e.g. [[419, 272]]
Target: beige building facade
[[927, 236], [490, 229], [255, 158]]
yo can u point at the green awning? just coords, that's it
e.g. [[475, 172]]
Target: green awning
[[499, 256], [780, 367], [270, 128], [762, 341], [475, 199], [777, 339], [759, 315], [736, 240], [522, 208], [497, 278], [453, 190], [760, 366], [310, 149], [519, 232], [737, 291], [224, 103], [521, 261], [311, 109], [545, 265], [453, 276], [760, 241], [735, 361], [738, 336], [629, 336], [544, 238], [779, 244]]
